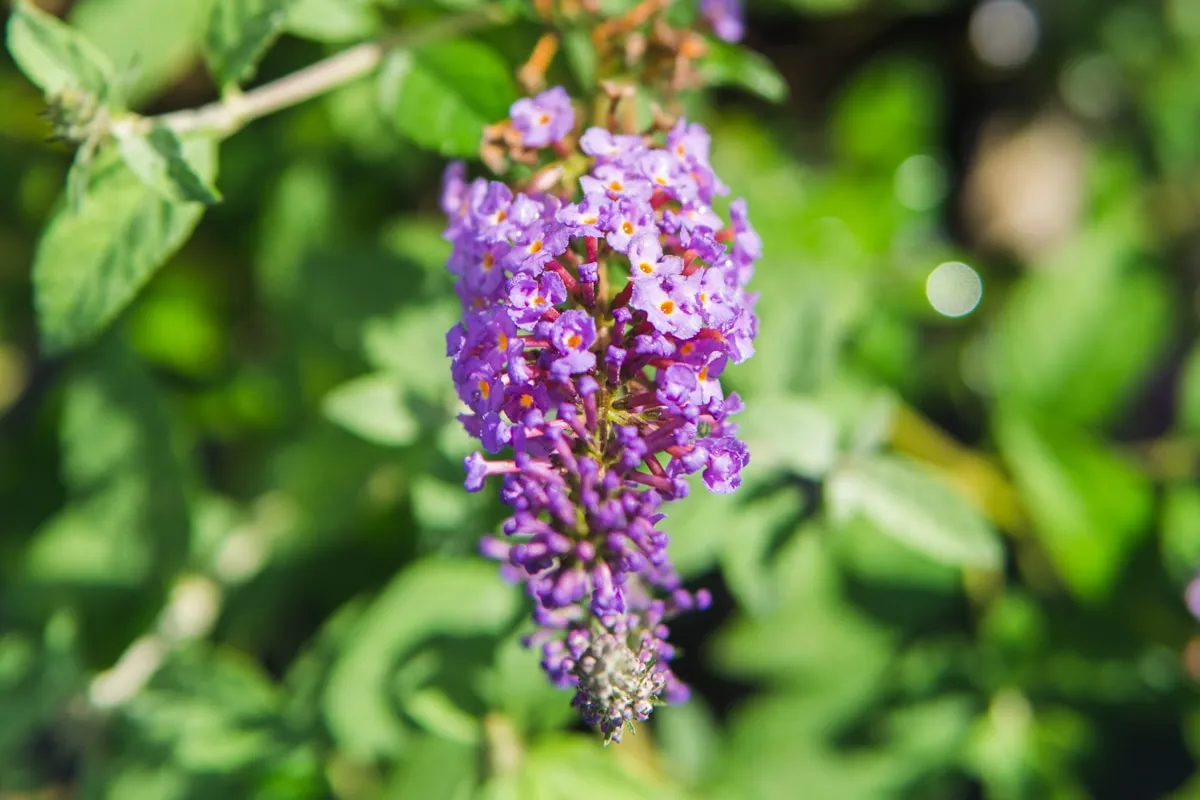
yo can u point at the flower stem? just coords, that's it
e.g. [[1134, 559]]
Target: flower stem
[[237, 109]]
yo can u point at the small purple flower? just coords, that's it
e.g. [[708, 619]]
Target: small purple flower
[[530, 298], [543, 119], [573, 331], [726, 457], [454, 188], [605, 145], [645, 255], [725, 17], [585, 218], [629, 219], [610, 180], [477, 471], [669, 307]]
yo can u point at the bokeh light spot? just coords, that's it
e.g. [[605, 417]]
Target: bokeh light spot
[[954, 289], [1004, 33]]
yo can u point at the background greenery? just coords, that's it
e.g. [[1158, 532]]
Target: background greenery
[[956, 569]]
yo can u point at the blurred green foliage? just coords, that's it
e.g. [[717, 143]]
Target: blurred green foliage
[[235, 556]]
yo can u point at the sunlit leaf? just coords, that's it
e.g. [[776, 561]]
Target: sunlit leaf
[[55, 56], [128, 514], [333, 20], [152, 46], [158, 159], [790, 433], [1079, 333], [373, 407], [238, 33], [1090, 508], [915, 507], [731, 65], [90, 265], [435, 768], [446, 598], [1180, 526], [214, 711], [443, 95]]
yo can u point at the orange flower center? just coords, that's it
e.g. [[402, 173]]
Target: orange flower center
[[535, 247], [646, 267], [574, 341], [544, 119], [704, 373], [627, 227], [503, 341], [687, 349], [484, 389], [526, 400], [667, 307]]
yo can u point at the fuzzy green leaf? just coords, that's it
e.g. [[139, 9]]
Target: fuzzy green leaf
[[55, 56], [442, 96], [916, 508], [731, 65], [158, 160], [238, 33], [89, 265]]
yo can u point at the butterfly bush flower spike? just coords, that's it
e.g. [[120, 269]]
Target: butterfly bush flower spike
[[598, 318]]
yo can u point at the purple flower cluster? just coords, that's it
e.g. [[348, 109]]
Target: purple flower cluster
[[596, 325]]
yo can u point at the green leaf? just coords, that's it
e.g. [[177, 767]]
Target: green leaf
[[556, 768], [1181, 532], [411, 346], [90, 265], [128, 514], [889, 111], [690, 739], [581, 55], [732, 65], [914, 506], [214, 711], [157, 158], [790, 433], [153, 45], [1189, 394], [333, 21], [1090, 509], [1079, 334], [444, 94], [373, 407], [435, 768], [238, 33], [432, 597], [55, 56], [517, 686]]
